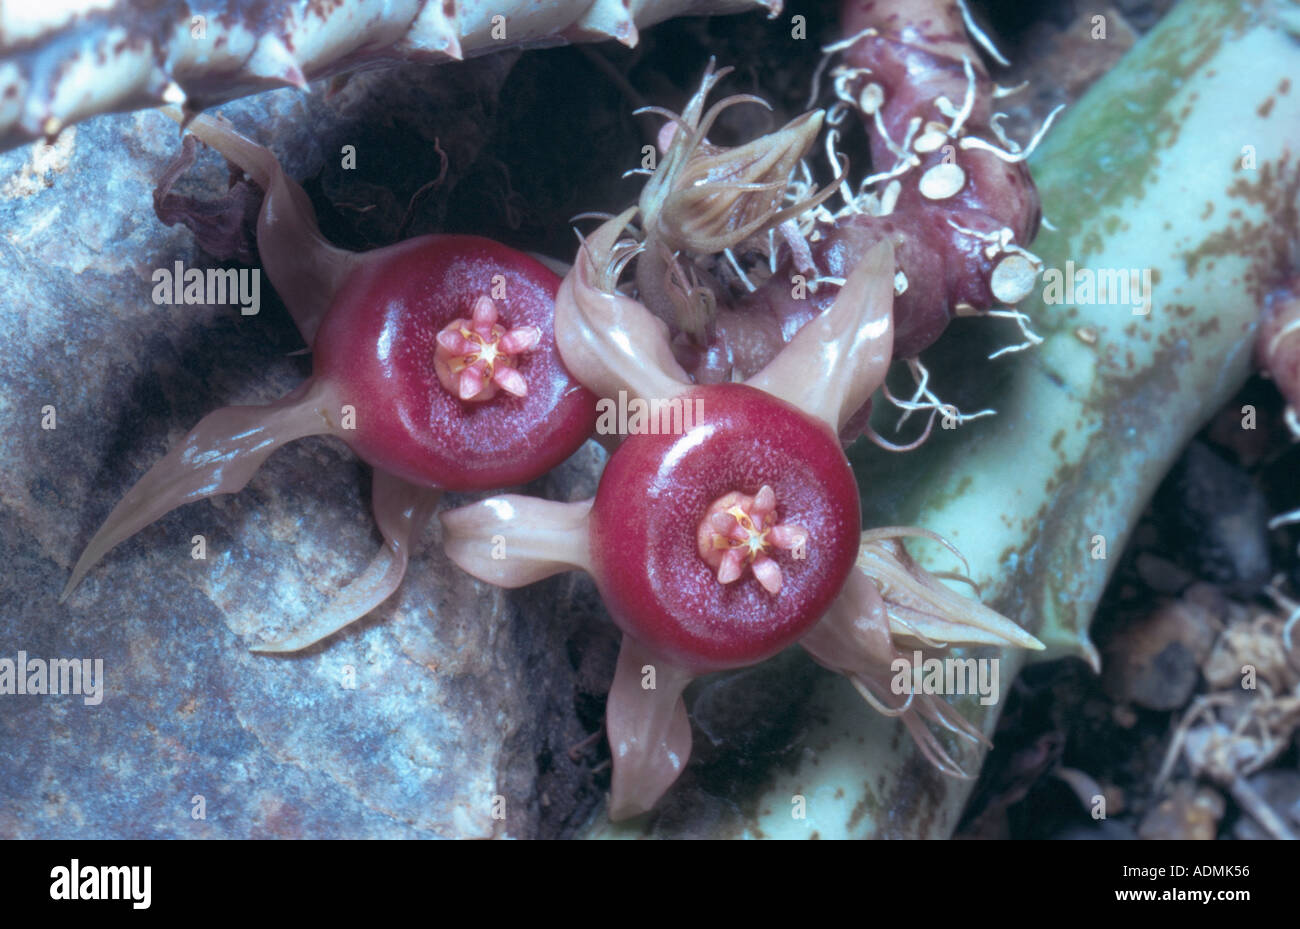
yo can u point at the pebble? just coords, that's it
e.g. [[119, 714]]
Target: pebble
[[1188, 812], [1162, 575], [1155, 662]]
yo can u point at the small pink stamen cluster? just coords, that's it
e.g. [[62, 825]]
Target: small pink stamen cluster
[[738, 529], [476, 356]]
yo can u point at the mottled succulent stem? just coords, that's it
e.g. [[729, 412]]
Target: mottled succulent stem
[[63, 62], [920, 56], [951, 194]]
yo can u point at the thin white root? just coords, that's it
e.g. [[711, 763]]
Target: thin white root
[[925, 399], [970, 141], [1293, 611], [979, 35], [1022, 320], [889, 446]]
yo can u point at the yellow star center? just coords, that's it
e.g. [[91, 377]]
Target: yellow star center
[[487, 351], [756, 543]]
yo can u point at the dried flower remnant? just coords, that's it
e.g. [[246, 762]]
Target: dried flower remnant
[[1228, 736], [1252, 711], [949, 190], [704, 199]]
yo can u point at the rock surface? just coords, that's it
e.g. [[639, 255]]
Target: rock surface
[[413, 722]]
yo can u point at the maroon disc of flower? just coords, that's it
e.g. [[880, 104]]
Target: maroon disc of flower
[[720, 546], [453, 388]]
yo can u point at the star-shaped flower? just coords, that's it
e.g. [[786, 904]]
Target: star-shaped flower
[[760, 482]]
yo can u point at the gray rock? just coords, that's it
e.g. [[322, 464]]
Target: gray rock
[[461, 692]]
